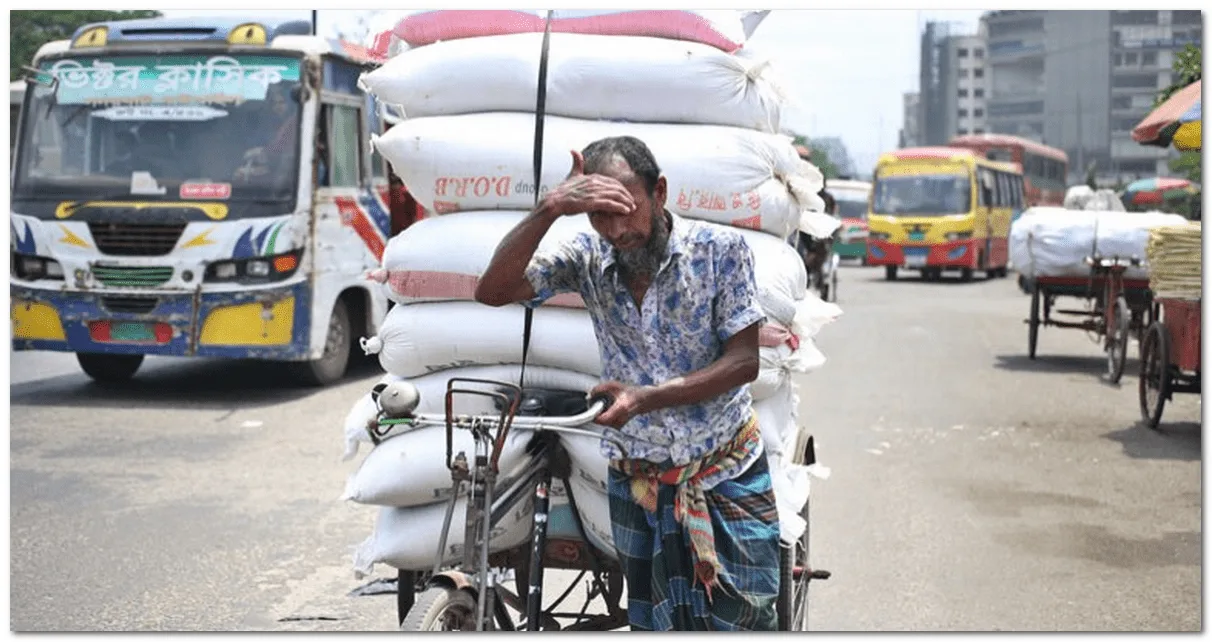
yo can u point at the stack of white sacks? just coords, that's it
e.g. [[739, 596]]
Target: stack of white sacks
[[465, 152], [1055, 241]]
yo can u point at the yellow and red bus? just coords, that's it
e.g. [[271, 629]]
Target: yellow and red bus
[[1044, 168], [937, 209]]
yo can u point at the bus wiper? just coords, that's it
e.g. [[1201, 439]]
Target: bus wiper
[[67, 210]]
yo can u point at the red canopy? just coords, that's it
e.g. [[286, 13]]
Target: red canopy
[[1175, 106]]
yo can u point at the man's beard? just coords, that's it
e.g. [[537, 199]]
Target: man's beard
[[645, 261]]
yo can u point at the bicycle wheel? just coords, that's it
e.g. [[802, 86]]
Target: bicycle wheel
[[439, 608], [795, 573], [1154, 384], [1117, 343]]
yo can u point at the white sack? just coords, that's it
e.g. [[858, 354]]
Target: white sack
[[637, 79], [588, 463], [594, 508], [442, 258], [360, 415], [777, 419], [725, 29], [1053, 241], [414, 340], [727, 175], [777, 268], [407, 538], [409, 468], [432, 389]]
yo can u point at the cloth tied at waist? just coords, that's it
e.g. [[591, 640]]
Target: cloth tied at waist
[[690, 507]]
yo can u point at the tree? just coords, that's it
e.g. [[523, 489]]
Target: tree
[[29, 30], [820, 157], [1188, 66]]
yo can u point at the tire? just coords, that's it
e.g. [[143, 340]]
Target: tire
[[792, 604], [1117, 345], [330, 367], [966, 275], [1154, 384], [889, 272], [439, 608], [1033, 324], [109, 368]]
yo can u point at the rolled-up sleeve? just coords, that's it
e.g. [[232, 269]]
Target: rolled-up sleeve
[[736, 303], [557, 269]]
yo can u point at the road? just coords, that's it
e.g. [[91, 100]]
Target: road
[[971, 488]]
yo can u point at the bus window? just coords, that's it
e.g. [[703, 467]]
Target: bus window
[[344, 145]]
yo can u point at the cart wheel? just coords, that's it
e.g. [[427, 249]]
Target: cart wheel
[[1117, 343], [440, 608], [1155, 382], [1033, 323], [792, 604]]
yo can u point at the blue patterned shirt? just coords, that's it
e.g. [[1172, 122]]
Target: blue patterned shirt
[[703, 293]]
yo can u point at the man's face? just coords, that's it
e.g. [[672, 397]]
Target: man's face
[[632, 230], [639, 237]]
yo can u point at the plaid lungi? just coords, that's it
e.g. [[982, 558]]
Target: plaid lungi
[[655, 553]]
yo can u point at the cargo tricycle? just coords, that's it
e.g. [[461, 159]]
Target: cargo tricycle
[[474, 592]]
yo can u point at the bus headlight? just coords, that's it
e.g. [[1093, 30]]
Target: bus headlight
[[254, 270], [959, 236], [32, 268]]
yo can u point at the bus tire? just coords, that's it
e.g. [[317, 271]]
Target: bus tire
[[331, 365], [890, 272], [109, 368]]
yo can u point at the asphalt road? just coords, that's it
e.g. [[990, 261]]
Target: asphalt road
[[971, 488]]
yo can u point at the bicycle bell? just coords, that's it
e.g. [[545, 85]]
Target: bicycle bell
[[396, 399]]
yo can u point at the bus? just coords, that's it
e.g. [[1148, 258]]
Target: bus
[[199, 187], [852, 198], [937, 209], [1045, 169]]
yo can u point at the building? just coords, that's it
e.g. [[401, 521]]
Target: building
[[1081, 80], [1143, 47], [953, 85], [911, 133]]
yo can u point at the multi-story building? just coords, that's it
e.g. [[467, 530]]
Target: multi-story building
[[1143, 47], [952, 98], [911, 133], [1081, 80]]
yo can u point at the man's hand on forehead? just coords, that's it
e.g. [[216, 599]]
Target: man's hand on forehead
[[582, 192]]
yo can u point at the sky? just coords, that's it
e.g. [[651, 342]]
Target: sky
[[845, 70]]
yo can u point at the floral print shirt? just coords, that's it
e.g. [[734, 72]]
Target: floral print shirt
[[703, 294]]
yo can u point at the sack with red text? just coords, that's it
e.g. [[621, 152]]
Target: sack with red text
[[645, 80], [432, 390], [442, 258], [723, 29], [419, 339], [727, 175]]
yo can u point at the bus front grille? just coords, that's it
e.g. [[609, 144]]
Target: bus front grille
[[132, 277], [136, 239], [130, 304]]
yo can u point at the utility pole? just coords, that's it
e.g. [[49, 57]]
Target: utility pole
[[315, 20]]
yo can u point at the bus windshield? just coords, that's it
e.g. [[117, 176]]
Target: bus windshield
[[168, 127], [923, 195], [851, 203]]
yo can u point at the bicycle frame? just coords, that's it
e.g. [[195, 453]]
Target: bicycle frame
[[483, 508]]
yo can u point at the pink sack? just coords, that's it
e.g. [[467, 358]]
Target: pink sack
[[725, 30]]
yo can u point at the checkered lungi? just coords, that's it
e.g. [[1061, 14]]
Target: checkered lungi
[[656, 554]]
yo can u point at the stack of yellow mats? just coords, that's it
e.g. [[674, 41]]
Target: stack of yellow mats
[[1175, 253]]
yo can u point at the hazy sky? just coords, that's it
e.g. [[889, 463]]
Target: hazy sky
[[846, 70]]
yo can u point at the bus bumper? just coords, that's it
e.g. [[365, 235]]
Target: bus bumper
[[950, 255], [853, 250], [270, 324]]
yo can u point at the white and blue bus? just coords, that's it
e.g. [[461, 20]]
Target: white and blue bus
[[198, 187]]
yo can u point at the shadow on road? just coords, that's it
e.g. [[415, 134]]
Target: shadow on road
[[1067, 364], [216, 384], [1180, 441]]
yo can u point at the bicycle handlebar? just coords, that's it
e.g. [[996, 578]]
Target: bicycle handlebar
[[597, 406]]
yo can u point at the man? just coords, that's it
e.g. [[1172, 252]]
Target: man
[[674, 307]]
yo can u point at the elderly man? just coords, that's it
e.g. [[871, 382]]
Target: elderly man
[[674, 307]]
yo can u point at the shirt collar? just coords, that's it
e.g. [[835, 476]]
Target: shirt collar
[[678, 232]]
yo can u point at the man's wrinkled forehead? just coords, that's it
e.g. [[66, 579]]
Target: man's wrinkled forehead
[[617, 168]]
